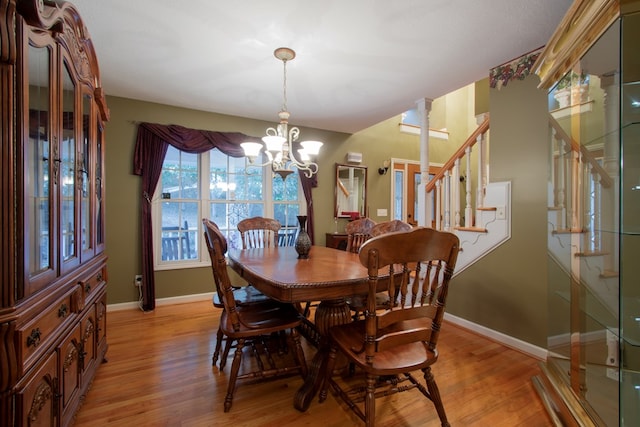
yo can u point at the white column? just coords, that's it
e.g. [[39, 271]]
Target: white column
[[425, 205]]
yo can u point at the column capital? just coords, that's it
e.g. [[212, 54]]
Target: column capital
[[424, 104]]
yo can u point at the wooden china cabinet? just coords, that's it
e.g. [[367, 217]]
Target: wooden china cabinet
[[52, 248]]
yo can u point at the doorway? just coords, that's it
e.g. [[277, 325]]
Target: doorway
[[404, 190]]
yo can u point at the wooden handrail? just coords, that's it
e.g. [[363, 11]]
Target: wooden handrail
[[484, 127], [605, 179], [343, 189]]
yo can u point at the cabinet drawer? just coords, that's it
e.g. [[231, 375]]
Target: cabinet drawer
[[91, 283], [38, 334]]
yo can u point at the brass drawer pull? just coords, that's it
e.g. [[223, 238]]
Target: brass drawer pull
[[63, 311], [34, 338]]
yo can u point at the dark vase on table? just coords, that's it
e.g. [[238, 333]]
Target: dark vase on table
[[303, 241]]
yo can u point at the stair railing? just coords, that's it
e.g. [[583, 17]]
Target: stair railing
[[443, 192]]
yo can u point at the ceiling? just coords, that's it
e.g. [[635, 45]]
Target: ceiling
[[358, 62]]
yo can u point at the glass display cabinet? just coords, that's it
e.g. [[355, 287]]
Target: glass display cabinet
[[591, 68], [53, 265]]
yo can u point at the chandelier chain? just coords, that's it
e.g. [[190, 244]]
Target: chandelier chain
[[284, 86]]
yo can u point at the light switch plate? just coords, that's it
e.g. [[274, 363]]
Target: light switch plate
[[382, 212]]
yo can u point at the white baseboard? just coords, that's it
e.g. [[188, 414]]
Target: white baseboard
[[163, 301], [522, 346]]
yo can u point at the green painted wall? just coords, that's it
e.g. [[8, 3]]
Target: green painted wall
[[507, 290]]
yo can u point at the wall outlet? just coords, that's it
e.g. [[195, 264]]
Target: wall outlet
[[137, 280], [500, 212]]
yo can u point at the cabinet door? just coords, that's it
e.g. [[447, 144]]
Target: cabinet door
[[89, 346], [99, 187], [36, 399], [69, 207], [69, 361], [101, 323], [86, 177], [41, 164]]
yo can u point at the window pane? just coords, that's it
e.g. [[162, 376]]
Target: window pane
[[180, 175], [180, 207], [189, 176], [398, 202], [179, 230], [286, 190]]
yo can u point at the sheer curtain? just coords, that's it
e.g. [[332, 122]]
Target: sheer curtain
[[151, 147]]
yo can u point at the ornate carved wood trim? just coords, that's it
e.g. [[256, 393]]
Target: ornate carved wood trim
[[7, 31], [584, 22], [55, 17], [43, 394], [8, 55]]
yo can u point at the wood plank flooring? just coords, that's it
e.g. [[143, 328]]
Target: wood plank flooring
[[159, 373]]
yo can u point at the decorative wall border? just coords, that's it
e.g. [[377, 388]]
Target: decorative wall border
[[517, 69]]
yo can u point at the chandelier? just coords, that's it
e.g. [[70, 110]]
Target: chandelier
[[278, 141]]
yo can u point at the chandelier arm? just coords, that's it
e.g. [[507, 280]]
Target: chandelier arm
[[268, 162]]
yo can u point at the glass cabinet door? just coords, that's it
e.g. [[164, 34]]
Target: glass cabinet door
[[630, 222], [99, 190], [67, 182], [39, 160], [594, 184], [86, 190]]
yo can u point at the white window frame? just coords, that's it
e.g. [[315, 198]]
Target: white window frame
[[203, 211]]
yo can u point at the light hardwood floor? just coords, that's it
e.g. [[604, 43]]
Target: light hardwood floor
[[159, 373]]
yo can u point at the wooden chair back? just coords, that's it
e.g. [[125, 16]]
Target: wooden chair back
[[420, 263], [390, 227], [358, 232], [217, 247], [259, 232]]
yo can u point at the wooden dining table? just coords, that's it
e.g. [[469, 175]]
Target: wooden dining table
[[328, 275]]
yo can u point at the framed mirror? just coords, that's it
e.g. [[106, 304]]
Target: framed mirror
[[350, 191]]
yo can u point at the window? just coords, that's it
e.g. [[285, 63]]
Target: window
[[226, 190]]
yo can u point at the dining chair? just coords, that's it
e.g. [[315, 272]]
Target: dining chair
[[358, 232], [254, 232], [259, 232], [357, 303], [390, 345], [390, 227], [247, 325]]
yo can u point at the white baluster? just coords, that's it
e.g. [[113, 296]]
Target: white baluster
[[447, 201], [438, 199], [468, 209], [455, 193]]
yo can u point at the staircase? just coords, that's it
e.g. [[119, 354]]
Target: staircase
[[481, 214]]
